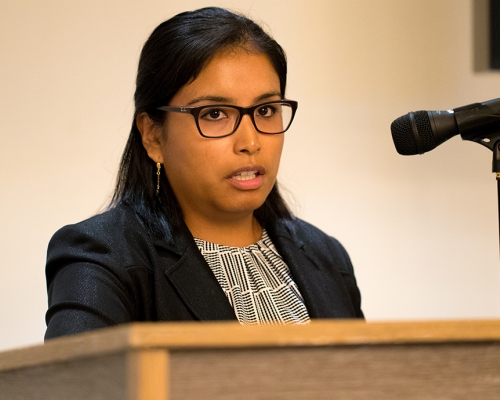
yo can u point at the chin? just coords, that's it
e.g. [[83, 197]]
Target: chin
[[246, 206], [243, 201]]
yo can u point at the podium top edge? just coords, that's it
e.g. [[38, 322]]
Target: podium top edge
[[171, 336]]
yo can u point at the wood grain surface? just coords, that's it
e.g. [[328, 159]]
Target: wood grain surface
[[417, 371], [348, 360], [232, 334]]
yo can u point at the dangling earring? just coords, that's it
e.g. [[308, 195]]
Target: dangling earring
[[158, 173]]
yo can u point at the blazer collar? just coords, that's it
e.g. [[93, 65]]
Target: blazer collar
[[185, 267], [323, 292]]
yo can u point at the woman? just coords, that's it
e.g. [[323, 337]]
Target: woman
[[197, 229]]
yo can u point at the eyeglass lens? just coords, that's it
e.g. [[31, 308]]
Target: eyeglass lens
[[222, 120]]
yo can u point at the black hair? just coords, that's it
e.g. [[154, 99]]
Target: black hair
[[175, 53]]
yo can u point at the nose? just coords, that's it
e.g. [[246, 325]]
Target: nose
[[246, 137]]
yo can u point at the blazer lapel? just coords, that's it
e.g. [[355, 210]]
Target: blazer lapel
[[324, 292], [322, 287], [187, 270]]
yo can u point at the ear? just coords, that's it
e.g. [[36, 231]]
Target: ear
[[151, 136]]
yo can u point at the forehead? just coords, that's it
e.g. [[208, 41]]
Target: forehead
[[237, 76]]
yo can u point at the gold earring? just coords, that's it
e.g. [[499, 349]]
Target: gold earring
[[158, 173]]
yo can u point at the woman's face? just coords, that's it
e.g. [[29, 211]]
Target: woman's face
[[223, 178]]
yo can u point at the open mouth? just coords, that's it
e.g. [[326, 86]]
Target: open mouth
[[246, 175]]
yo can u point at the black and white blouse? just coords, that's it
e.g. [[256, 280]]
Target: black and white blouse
[[256, 281]]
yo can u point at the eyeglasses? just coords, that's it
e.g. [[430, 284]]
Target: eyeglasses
[[216, 121]]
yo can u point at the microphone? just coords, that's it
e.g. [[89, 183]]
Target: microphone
[[421, 131]]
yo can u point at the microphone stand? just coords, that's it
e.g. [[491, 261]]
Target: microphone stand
[[496, 169], [490, 138]]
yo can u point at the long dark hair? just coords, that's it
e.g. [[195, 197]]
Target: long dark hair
[[175, 53]]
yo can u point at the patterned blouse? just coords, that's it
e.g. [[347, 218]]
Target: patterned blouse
[[256, 281]]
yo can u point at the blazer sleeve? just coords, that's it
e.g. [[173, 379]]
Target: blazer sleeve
[[330, 257], [96, 277], [346, 270]]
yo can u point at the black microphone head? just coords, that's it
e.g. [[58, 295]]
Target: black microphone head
[[412, 133]]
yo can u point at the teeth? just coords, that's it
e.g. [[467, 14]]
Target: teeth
[[246, 175]]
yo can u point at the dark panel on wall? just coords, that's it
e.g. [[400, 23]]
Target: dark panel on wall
[[495, 34], [481, 35]]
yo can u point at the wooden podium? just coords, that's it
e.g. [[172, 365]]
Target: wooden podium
[[322, 360]]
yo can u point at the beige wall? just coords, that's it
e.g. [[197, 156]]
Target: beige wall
[[421, 231]]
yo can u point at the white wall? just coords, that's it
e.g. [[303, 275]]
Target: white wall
[[422, 231]]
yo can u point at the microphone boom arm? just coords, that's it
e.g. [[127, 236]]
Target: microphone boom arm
[[480, 123]]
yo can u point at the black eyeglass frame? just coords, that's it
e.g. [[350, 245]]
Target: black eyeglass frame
[[195, 112]]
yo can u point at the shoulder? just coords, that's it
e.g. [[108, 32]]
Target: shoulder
[[121, 215], [309, 233], [115, 235], [323, 248]]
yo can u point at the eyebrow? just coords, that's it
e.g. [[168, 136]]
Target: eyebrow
[[220, 99]]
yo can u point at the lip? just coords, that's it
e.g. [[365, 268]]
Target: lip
[[248, 184]]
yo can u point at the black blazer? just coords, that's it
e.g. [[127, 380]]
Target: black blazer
[[108, 270]]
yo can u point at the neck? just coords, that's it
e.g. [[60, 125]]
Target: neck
[[237, 232]]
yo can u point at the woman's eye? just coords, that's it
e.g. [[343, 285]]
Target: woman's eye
[[213, 114], [266, 111]]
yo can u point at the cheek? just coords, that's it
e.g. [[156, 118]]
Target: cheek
[[193, 159], [276, 148]]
